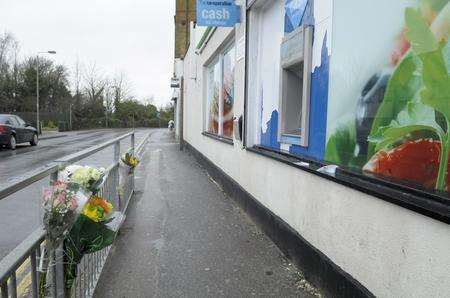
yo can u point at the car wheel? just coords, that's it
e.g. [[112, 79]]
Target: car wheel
[[34, 141], [12, 143]]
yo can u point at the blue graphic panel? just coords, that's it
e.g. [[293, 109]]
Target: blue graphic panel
[[318, 114], [270, 137], [318, 109], [296, 13], [217, 13]]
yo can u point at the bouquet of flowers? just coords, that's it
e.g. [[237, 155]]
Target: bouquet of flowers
[[89, 234], [62, 204], [87, 177], [75, 216], [130, 160]]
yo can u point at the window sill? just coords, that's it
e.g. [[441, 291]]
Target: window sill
[[218, 138], [433, 204], [290, 139]]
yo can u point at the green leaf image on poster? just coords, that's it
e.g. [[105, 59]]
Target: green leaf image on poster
[[404, 135]]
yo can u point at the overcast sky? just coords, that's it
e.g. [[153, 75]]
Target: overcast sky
[[130, 36]]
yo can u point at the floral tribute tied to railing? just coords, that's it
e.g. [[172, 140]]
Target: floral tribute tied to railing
[[76, 217], [128, 163], [130, 160]]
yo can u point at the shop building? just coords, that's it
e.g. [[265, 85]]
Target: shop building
[[339, 123]]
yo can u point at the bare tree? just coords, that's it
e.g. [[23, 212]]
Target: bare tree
[[77, 78], [6, 41], [94, 89], [15, 67], [94, 84], [109, 97], [9, 48], [122, 88], [76, 102]]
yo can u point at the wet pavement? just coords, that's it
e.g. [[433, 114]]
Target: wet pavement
[[20, 213], [184, 237]]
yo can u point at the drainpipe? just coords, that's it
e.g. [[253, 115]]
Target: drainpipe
[[187, 26], [181, 119]]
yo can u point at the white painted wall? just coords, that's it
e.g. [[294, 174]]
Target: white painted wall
[[392, 251], [178, 73]]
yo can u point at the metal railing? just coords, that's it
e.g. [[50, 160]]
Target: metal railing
[[27, 256]]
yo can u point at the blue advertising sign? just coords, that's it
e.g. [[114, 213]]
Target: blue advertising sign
[[217, 13]]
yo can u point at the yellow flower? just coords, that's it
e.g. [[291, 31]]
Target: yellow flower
[[134, 162], [130, 160], [97, 209], [91, 213]]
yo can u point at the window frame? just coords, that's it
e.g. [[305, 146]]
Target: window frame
[[21, 122], [207, 113], [305, 57], [14, 121], [217, 57]]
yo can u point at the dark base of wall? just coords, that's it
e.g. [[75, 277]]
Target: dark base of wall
[[316, 266]]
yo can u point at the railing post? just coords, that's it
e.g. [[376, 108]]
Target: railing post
[[13, 284], [116, 151], [133, 151], [34, 273], [4, 288], [59, 272], [116, 177], [57, 260]]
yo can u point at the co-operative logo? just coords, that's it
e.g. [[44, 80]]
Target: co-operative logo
[[225, 3]]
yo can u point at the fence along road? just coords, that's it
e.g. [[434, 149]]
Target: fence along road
[[16, 163], [18, 270], [20, 213]]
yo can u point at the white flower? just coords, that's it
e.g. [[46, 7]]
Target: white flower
[[95, 174], [83, 176], [65, 174]]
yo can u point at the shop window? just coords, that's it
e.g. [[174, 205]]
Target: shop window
[[295, 80], [379, 117], [220, 94], [213, 98]]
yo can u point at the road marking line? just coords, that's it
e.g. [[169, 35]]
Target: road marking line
[[24, 286], [22, 267]]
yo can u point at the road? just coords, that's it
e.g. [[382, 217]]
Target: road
[[20, 214]]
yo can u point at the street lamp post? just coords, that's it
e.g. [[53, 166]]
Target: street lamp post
[[37, 88]]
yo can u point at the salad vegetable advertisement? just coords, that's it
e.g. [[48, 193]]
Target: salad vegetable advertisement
[[402, 124]]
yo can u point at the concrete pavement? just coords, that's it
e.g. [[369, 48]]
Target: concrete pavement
[[184, 237]]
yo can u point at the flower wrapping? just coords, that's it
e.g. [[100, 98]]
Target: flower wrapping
[[62, 203], [89, 234], [76, 216]]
